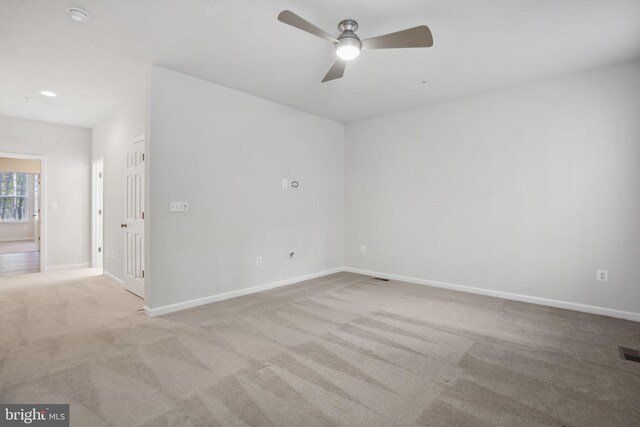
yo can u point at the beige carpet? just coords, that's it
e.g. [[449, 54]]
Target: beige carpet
[[339, 350]]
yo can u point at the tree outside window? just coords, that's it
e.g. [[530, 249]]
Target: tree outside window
[[13, 196]]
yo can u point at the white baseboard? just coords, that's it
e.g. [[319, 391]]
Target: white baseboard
[[585, 308], [165, 309], [67, 267], [629, 315], [112, 277], [18, 239]]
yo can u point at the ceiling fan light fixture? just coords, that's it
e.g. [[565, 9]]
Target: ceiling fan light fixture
[[348, 44], [348, 49], [347, 52]]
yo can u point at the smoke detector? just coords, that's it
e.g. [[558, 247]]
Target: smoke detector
[[78, 14]]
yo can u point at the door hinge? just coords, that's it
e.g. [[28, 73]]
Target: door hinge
[[142, 215], [143, 274], [143, 157], [99, 249], [100, 175]]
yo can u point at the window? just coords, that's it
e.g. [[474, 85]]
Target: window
[[13, 196]]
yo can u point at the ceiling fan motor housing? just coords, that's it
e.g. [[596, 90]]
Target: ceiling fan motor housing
[[348, 25], [348, 36]]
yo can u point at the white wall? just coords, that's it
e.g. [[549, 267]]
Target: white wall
[[68, 173], [226, 153], [527, 190], [111, 139]]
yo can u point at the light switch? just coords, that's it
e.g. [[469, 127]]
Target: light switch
[[54, 206], [178, 207]]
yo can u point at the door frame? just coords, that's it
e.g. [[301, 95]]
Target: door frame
[[43, 200], [95, 256]]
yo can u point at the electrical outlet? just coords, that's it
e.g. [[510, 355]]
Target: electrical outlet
[[259, 261], [113, 254], [285, 183], [178, 207], [602, 275], [363, 249]]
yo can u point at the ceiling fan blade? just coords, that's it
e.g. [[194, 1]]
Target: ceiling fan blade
[[336, 71], [290, 18], [413, 37]]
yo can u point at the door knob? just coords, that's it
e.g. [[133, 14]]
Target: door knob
[[123, 225]]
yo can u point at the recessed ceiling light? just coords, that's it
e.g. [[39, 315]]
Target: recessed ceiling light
[[78, 14], [48, 93]]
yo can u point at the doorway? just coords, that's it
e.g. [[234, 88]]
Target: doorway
[[21, 214], [97, 213]]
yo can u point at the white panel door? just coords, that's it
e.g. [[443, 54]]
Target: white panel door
[[133, 224]]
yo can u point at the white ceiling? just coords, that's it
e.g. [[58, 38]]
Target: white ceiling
[[478, 46]]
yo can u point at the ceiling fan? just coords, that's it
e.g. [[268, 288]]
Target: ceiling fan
[[348, 44]]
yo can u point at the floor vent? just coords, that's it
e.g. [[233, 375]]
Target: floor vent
[[381, 279], [629, 354]]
